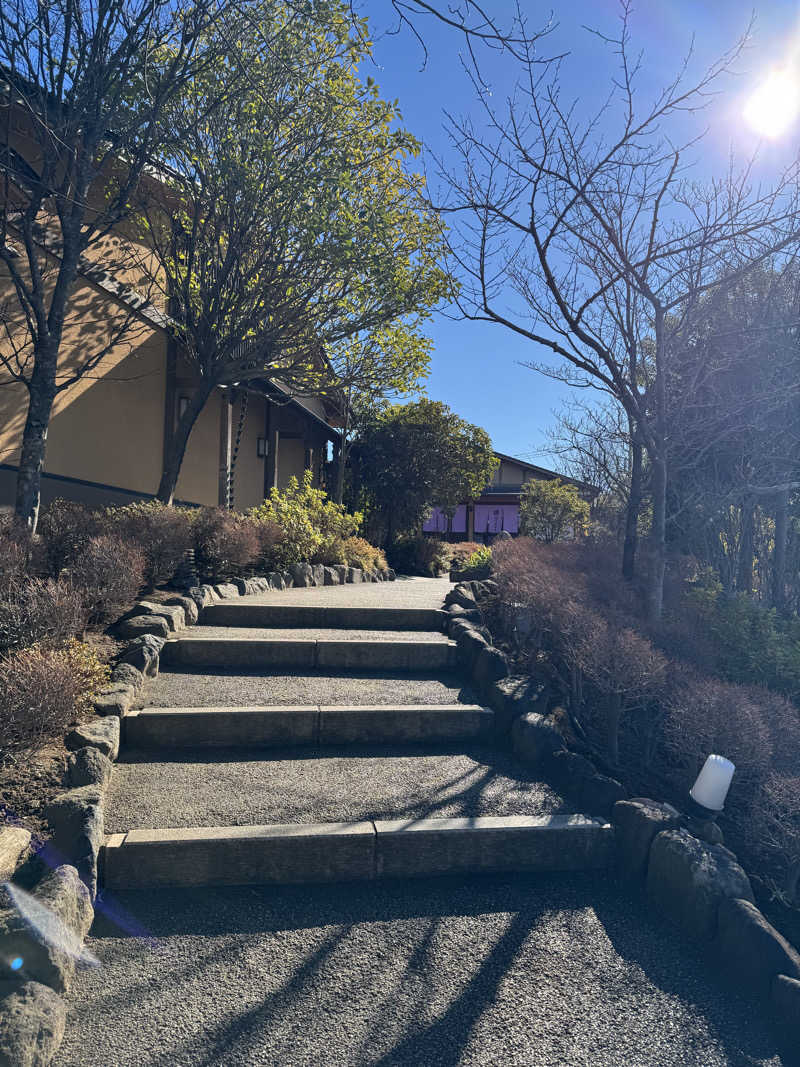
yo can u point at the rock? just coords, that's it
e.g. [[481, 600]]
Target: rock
[[391, 576], [471, 643], [570, 769], [190, 608], [752, 951], [173, 614], [514, 696], [785, 995], [534, 740], [330, 576], [143, 624], [461, 595], [88, 766], [76, 819], [302, 574], [202, 596], [636, 823], [242, 586], [687, 880], [275, 579], [127, 674], [32, 1021], [599, 794], [143, 653], [341, 571], [116, 699], [100, 733], [14, 843], [490, 666], [49, 936], [288, 580], [705, 829], [226, 591], [319, 574], [355, 575]]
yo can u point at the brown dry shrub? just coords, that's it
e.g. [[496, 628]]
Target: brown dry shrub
[[163, 533], [66, 528], [40, 611], [13, 558], [774, 830], [268, 536], [224, 542], [109, 574]]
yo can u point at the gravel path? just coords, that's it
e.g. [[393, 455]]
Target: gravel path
[[233, 787], [557, 971], [217, 688], [404, 593]]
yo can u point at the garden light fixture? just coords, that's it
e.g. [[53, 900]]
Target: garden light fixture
[[711, 785]]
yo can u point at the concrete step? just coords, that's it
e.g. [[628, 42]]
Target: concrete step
[[304, 725], [279, 854], [256, 648], [344, 617]]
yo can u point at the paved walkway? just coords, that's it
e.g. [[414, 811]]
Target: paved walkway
[[540, 971]]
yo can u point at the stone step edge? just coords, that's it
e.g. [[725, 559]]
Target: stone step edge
[[311, 724], [413, 620], [296, 853], [308, 652]]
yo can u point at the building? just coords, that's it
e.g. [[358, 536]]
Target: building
[[497, 508]]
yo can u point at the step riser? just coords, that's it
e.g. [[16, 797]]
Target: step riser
[[286, 727], [285, 855], [266, 616], [310, 655]]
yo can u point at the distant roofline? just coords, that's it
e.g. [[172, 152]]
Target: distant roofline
[[545, 471]]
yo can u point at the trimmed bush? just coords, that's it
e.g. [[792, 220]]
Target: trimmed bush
[[14, 552], [360, 553], [163, 533], [65, 528], [43, 612], [224, 542], [109, 573], [268, 535], [419, 555]]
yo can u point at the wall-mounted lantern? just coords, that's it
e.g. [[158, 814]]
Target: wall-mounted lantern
[[183, 404], [261, 447], [710, 790]]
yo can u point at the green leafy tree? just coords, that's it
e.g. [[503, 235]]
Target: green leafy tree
[[289, 221], [552, 511], [417, 455]]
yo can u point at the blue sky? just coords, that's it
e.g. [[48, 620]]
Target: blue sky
[[475, 366]]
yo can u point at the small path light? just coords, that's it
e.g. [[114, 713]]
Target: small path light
[[711, 786]]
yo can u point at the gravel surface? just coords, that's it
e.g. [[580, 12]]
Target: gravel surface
[[307, 633], [547, 971], [232, 788], [404, 593]]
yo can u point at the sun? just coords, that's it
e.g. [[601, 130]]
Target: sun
[[775, 105]]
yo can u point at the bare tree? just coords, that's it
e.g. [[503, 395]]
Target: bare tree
[[596, 247]]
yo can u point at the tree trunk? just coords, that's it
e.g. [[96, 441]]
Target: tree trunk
[[744, 576], [632, 513], [658, 460], [779, 552], [180, 439], [41, 394], [340, 466], [612, 728]]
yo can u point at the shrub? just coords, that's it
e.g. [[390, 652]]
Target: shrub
[[109, 574], [163, 533], [311, 524], [14, 551], [268, 536], [478, 561], [419, 555], [42, 690], [40, 611], [65, 528], [224, 542], [775, 830], [552, 511], [360, 553]]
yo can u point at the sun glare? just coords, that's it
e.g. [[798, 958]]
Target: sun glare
[[775, 105]]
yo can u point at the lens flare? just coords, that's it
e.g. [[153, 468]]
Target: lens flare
[[775, 105], [48, 927]]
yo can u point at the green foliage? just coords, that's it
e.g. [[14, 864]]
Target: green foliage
[[552, 511], [480, 559], [414, 456], [360, 553], [419, 555], [313, 526]]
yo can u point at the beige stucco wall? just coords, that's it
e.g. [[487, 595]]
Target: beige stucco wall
[[249, 472], [199, 478]]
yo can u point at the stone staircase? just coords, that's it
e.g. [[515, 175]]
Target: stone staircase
[[300, 737]]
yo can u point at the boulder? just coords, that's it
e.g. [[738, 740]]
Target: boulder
[[785, 995], [275, 579], [490, 666], [391, 576], [302, 574], [202, 596], [470, 643], [570, 769], [636, 823], [341, 570], [687, 880], [514, 696], [226, 591], [330, 576], [599, 793], [76, 819], [243, 586], [173, 614], [143, 653], [47, 934], [319, 574], [14, 844], [189, 605], [462, 596], [288, 580], [355, 575], [705, 829], [534, 739], [116, 699], [127, 674], [99, 733], [32, 1020], [751, 949], [143, 624], [88, 766]]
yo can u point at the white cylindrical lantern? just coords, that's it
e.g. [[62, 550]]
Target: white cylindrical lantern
[[713, 782]]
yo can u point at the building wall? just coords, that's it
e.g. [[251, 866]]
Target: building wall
[[248, 481]]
